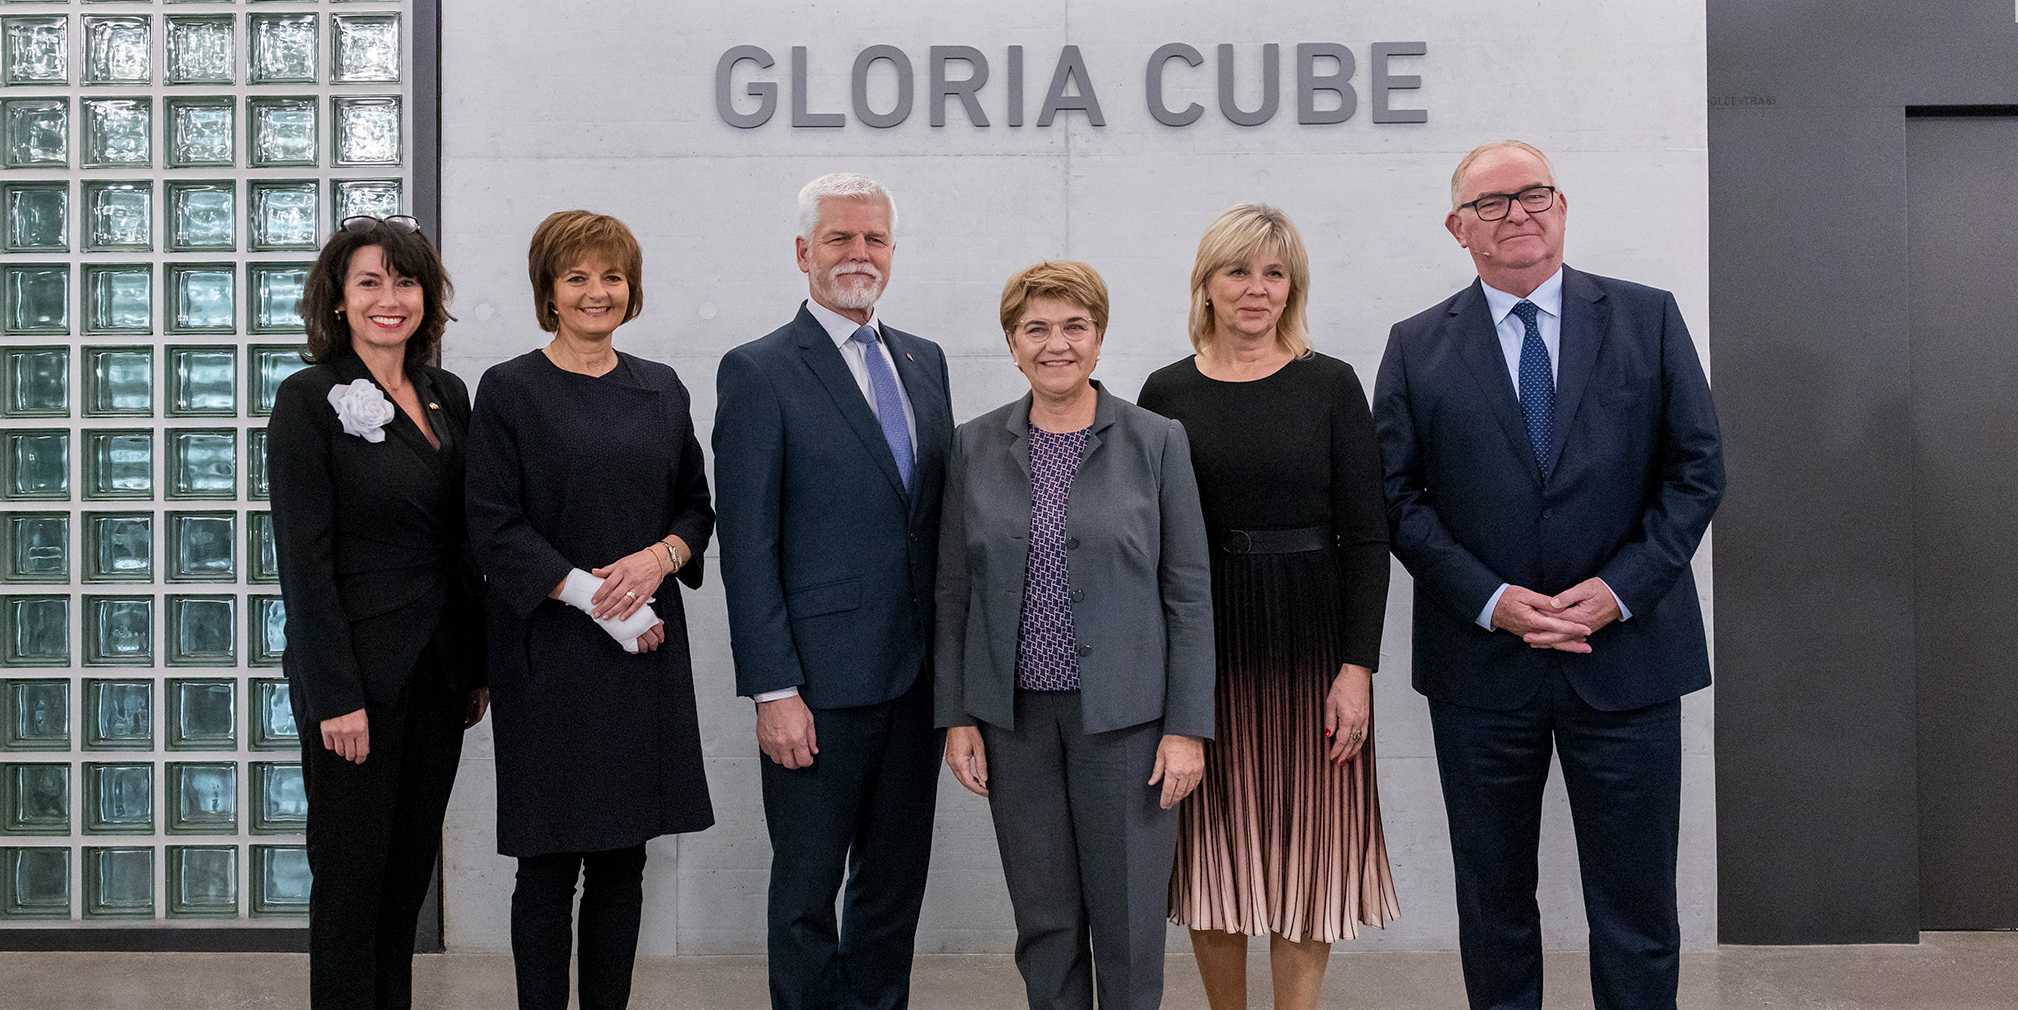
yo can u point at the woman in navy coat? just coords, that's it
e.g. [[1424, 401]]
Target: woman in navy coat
[[587, 494]]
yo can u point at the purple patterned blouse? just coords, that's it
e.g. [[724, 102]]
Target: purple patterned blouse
[[1047, 648]]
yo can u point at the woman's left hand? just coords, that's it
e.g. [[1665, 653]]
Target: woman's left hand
[[627, 583], [652, 638], [1180, 764], [479, 703], [1348, 712]]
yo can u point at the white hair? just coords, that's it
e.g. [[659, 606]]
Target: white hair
[[1464, 166], [840, 186]]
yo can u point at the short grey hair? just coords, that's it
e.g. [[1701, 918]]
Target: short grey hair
[[840, 186], [1457, 177]]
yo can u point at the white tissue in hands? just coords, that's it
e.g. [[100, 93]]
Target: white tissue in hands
[[579, 589]]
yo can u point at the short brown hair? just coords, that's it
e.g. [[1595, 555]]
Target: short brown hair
[[1236, 236], [568, 237], [1066, 280], [408, 253]]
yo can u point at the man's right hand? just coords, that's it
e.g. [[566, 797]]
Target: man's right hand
[[349, 736], [968, 757], [1533, 617], [785, 732]]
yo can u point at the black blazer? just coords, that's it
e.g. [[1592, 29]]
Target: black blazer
[[1638, 472], [827, 560], [374, 559]]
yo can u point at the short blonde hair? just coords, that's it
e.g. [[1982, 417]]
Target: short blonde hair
[[1066, 280], [1463, 166], [568, 237], [1236, 236]]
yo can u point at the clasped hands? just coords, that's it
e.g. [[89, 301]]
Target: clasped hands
[[617, 595], [1564, 622], [1180, 764]]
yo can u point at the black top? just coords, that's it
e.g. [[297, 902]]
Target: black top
[[374, 560], [596, 748], [1294, 449]]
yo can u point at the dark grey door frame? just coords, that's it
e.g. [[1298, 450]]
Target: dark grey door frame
[[1816, 728]]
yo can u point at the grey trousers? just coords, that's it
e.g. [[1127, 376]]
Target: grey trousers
[[1085, 850]]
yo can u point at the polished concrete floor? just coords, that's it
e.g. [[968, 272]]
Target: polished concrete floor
[[1946, 971]]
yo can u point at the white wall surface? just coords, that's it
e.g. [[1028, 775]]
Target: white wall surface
[[608, 105]]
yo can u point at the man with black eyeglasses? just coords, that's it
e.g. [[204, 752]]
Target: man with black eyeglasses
[[1552, 460]]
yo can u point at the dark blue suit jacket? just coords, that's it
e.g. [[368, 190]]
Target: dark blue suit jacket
[[1638, 471], [828, 562]]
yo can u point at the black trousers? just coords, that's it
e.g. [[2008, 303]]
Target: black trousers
[[373, 832], [864, 809], [543, 929], [1623, 772]]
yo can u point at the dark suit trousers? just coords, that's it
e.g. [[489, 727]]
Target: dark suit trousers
[[373, 833], [543, 928], [1085, 849], [1623, 772], [864, 809]]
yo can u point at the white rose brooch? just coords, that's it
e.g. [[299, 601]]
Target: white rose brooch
[[361, 409]]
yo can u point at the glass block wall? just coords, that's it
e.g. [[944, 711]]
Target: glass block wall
[[167, 170]]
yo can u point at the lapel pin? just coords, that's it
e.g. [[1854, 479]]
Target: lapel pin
[[431, 405], [908, 357]]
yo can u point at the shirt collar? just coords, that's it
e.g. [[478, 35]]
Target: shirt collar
[[839, 327], [1548, 298]]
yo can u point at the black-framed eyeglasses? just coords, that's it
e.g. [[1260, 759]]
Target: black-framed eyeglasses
[[364, 222], [1496, 206]]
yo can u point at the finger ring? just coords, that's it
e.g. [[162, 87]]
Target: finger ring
[[628, 595]]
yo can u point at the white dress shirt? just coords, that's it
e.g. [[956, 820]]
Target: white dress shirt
[[1512, 334], [842, 330]]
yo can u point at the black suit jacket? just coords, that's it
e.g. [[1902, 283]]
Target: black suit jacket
[[1638, 472], [827, 559], [374, 558]]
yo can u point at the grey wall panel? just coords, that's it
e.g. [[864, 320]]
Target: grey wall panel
[[1816, 738], [1815, 734]]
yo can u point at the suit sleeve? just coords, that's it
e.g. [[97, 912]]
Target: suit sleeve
[[693, 509], [1454, 576], [1184, 577], [1359, 524], [949, 634], [749, 483], [303, 487], [468, 612], [519, 564], [1691, 476]]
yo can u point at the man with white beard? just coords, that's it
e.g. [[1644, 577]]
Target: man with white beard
[[830, 451]]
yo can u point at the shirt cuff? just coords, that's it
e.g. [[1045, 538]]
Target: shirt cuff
[[1485, 616], [783, 692], [1625, 614]]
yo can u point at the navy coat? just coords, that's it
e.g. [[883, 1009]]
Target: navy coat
[[828, 561], [1638, 472]]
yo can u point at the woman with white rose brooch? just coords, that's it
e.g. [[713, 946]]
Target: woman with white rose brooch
[[385, 658], [587, 495]]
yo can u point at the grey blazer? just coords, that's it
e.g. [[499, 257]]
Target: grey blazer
[[1141, 578]]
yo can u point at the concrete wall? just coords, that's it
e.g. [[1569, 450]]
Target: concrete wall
[[612, 109]]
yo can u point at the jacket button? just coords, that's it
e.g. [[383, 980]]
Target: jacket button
[[1085, 650], [1071, 543], [1548, 513], [1078, 595]]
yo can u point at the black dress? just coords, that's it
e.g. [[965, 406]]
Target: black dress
[[1278, 839], [596, 748]]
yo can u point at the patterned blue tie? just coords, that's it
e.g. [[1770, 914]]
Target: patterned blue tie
[[889, 403], [1538, 386]]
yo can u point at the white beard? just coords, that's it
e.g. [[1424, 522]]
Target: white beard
[[858, 297]]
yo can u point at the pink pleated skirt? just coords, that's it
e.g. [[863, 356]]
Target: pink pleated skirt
[[1277, 839]]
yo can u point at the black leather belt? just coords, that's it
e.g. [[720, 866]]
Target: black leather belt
[[1309, 538]]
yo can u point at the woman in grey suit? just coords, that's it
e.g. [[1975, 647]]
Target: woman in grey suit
[[1074, 647]]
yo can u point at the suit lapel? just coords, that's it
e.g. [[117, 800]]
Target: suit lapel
[[930, 408], [350, 368], [1587, 316], [1477, 341], [824, 359]]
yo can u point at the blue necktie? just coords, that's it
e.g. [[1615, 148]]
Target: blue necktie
[[889, 403], [1538, 385]]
